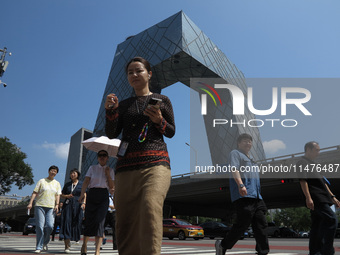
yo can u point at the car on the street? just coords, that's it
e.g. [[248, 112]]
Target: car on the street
[[7, 228], [250, 232], [303, 234], [273, 230], [108, 230], [337, 233], [181, 229], [245, 235], [287, 232], [214, 229], [29, 227]]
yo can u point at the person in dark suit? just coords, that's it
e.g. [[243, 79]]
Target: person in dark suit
[[319, 200]]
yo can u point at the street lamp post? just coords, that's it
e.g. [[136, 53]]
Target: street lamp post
[[194, 151], [195, 166], [3, 63]]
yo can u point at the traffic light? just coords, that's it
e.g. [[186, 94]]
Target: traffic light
[[3, 63], [285, 181], [3, 67]]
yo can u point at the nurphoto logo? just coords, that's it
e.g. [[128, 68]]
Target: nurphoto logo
[[295, 96]]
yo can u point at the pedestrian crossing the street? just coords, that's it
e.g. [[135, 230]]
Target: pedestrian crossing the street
[[15, 247], [18, 244], [195, 250]]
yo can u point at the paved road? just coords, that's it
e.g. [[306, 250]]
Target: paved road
[[16, 243]]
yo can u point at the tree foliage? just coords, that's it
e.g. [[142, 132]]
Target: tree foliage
[[13, 169], [295, 218]]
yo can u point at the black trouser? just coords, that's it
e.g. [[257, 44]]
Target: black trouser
[[249, 211], [97, 203], [322, 232], [111, 221], [56, 224]]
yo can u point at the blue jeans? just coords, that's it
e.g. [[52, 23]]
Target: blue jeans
[[44, 220], [324, 224]]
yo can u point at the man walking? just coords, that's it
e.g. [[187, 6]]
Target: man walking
[[319, 200], [246, 197]]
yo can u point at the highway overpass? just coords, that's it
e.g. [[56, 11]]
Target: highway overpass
[[208, 195]]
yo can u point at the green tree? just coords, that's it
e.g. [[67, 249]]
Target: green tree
[[13, 169], [296, 218]]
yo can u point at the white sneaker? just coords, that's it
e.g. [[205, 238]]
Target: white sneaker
[[45, 248], [37, 251], [67, 251]]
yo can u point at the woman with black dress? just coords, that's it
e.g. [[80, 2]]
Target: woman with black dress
[[143, 169], [99, 179], [72, 213]]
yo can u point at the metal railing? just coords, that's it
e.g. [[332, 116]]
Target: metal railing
[[289, 156]]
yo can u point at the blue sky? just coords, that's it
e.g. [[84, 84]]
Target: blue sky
[[62, 52]]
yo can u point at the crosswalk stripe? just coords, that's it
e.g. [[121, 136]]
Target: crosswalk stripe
[[24, 245], [165, 250]]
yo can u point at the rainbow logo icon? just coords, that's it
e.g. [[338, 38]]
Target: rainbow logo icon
[[210, 94]]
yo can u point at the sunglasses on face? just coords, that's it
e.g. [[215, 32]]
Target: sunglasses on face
[[102, 155]]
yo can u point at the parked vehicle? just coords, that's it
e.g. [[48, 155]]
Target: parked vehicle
[[303, 234], [7, 228], [273, 230], [337, 233], [245, 234], [250, 232], [287, 232], [108, 231], [214, 229], [29, 227], [182, 229]]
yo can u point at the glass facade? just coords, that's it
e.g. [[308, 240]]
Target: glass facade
[[178, 51], [78, 153]]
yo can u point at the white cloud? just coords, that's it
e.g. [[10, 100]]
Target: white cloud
[[59, 149], [273, 146]]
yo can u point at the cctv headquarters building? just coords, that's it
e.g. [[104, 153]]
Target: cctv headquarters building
[[179, 51]]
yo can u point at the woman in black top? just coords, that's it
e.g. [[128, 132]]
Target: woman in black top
[[143, 167]]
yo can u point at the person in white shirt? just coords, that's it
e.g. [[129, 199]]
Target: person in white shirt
[[99, 180], [47, 191]]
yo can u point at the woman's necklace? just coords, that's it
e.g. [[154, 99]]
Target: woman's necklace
[[142, 137], [73, 186], [146, 100], [144, 132]]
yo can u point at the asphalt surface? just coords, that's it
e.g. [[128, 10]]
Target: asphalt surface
[[15, 243]]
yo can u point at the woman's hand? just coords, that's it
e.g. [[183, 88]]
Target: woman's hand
[[81, 198], [56, 208], [111, 102], [154, 114]]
